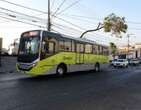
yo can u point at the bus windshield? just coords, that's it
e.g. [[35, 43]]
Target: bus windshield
[[29, 49], [29, 46]]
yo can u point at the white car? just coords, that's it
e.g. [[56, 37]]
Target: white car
[[134, 62], [113, 61], [120, 63]]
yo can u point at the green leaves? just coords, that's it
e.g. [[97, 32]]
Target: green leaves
[[115, 24], [113, 48]]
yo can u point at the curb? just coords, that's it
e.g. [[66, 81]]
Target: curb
[[6, 72]]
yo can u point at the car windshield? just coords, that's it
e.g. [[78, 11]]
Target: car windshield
[[115, 60], [121, 60]]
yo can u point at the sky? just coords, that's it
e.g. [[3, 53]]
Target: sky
[[72, 18]]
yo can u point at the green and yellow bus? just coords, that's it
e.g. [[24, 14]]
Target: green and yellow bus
[[42, 52]]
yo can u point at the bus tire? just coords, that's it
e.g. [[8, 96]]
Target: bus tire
[[61, 69], [97, 67]]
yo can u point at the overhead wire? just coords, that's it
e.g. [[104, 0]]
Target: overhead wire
[[71, 5], [70, 23], [22, 22], [97, 19], [33, 9], [65, 31], [82, 16], [14, 18], [56, 31], [37, 18], [53, 2], [67, 27], [59, 7], [84, 20], [2, 20]]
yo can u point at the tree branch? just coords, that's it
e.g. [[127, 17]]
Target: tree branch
[[98, 28]]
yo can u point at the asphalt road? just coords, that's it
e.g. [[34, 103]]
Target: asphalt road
[[110, 89]]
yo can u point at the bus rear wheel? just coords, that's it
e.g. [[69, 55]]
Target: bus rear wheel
[[61, 69], [97, 67]]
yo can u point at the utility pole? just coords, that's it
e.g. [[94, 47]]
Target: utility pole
[[128, 41], [49, 22], [128, 44]]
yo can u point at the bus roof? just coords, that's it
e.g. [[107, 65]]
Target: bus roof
[[63, 36]]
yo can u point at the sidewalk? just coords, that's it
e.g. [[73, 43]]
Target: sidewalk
[[8, 69], [8, 64]]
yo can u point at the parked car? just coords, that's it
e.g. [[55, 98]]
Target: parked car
[[134, 62], [113, 61], [120, 63], [139, 60], [4, 51]]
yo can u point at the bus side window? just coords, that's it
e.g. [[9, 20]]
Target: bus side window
[[72, 46], [94, 49], [51, 47], [67, 45], [88, 48], [61, 45]]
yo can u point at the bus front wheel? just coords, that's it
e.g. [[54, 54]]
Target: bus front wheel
[[61, 69]]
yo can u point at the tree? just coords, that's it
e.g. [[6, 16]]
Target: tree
[[112, 23], [113, 48]]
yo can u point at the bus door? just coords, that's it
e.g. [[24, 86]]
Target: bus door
[[48, 48], [79, 53]]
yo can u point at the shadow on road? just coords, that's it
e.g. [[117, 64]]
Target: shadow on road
[[68, 75]]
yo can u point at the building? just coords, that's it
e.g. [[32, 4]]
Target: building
[[13, 48], [134, 51]]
